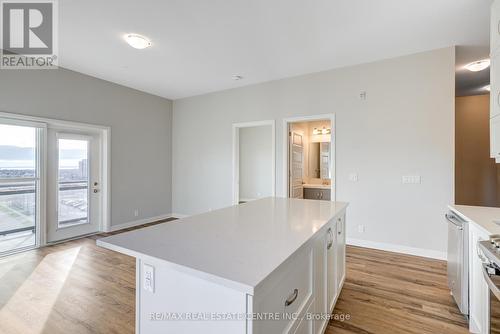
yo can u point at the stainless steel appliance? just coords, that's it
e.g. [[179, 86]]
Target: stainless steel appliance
[[458, 260], [491, 273]]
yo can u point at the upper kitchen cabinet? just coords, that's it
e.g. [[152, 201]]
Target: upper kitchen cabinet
[[495, 28], [495, 138], [495, 82], [495, 85]]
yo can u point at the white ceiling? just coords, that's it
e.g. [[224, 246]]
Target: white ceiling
[[199, 44]]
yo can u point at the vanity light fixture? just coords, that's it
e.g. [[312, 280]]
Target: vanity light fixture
[[323, 131], [479, 65], [137, 41], [488, 88]]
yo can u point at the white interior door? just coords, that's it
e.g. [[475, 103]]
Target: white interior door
[[73, 184], [296, 159]]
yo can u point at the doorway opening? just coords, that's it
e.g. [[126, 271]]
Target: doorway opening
[[254, 152], [309, 157]]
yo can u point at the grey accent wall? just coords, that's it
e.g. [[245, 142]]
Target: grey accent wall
[[140, 131], [404, 127]]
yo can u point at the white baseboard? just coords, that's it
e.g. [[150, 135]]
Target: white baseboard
[[247, 199], [140, 222], [398, 248], [179, 215]]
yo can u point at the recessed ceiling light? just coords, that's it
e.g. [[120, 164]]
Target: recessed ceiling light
[[237, 77], [488, 88], [137, 41], [477, 66]]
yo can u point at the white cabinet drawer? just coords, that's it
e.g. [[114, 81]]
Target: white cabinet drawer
[[306, 325], [495, 86], [287, 292], [495, 27]]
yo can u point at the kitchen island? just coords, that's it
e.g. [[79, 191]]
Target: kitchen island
[[274, 265]]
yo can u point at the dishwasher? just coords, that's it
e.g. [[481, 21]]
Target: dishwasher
[[458, 260]]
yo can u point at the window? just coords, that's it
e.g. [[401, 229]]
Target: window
[[19, 184]]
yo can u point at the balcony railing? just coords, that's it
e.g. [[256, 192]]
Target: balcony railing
[[18, 205]]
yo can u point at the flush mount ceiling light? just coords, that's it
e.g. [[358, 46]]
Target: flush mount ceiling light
[[477, 66], [237, 77], [137, 41]]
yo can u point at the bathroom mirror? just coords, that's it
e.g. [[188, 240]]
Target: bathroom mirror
[[319, 160]]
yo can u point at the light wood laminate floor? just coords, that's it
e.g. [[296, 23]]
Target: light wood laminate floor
[[77, 287]]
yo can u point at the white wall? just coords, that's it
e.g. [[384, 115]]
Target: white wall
[[405, 126], [140, 131], [255, 174]]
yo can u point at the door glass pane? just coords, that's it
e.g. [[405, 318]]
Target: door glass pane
[[18, 185], [73, 182]]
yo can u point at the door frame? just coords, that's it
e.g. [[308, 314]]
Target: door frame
[[333, 144], [105, 133], [236, 155]]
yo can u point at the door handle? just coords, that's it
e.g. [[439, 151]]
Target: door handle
[[289, 301], [491, 285], [451, 220], [330, 242]]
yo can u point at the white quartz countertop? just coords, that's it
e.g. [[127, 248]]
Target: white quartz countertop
[[317, 186], [238, 246], [482, 216]]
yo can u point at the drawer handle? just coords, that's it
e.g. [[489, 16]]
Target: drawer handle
[[330, 242], [292, 297]]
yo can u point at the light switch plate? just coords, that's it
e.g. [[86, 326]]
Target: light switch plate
[[411, 179], [353, 177], [148, 277]]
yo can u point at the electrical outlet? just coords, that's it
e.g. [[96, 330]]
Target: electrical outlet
[[361, 228], [136, 213], [149, 277]]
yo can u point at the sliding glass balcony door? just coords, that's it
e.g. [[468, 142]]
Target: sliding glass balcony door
[[19, 185]]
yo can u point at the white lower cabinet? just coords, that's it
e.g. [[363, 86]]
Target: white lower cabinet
[[331, 267], [308, 283], [478, 290], [340, 251], [330, 270]]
